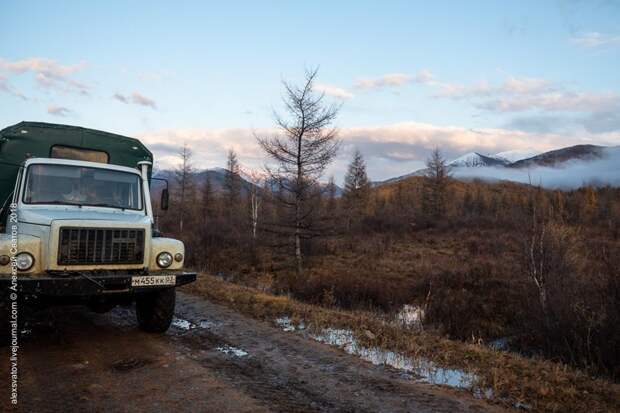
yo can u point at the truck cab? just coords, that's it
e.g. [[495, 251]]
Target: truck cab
[[77, 224]]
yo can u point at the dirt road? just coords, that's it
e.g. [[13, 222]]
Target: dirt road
[[74, 360]]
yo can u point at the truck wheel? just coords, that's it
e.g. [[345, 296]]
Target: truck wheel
[[155, 310]]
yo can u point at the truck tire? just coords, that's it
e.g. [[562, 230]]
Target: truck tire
[[155, 310]]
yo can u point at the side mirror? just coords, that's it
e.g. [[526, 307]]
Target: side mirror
[[164, 199]]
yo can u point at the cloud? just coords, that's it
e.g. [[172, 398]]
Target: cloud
[[7, 88], [58, 111], [594, 123], [424, 76], [48, 73], [408, 141], [142, 100], [394, 79], [120, 98], [390, 150], [511, 86], [527, 94], [602, 122], [209, 146], [333, 91], [595, 39], [135, 98], [557, 101], [166, 149], [541, 123]]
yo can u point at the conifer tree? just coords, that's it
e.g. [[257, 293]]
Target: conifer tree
[[435, 191], [356, 189]]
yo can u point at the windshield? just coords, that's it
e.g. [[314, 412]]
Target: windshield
[[76, 185]]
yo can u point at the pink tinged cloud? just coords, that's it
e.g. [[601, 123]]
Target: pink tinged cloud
[[58, 111], [396, 143], [522, 94], [394, 80], [142, 100], [511, 86], [48, 73]]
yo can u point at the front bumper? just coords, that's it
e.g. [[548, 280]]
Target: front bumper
[[86, 284]]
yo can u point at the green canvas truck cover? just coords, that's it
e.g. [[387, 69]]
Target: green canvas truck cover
[[36, 140]]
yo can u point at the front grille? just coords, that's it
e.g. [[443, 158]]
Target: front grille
[[92, 246]]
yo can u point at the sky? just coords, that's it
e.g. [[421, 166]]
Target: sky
[[486, 76]]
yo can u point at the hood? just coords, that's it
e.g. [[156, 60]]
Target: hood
[[45, 216]]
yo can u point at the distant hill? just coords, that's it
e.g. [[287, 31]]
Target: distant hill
[[568, 167], [555, 157], [217, 177], [469, 160]]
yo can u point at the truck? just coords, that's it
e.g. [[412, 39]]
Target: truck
[[77, 225]]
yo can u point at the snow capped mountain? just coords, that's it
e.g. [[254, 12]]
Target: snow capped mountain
[[566, 168], [217, 169], [517, 154], [476, 160], [569, 167]]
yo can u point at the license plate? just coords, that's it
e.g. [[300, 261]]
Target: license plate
[[153, 280]]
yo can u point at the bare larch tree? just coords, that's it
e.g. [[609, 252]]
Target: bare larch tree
[[305, 145]]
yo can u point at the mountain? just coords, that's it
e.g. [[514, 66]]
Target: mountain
[[469, 160], [569, 167], [516, 154], [476, 160], [217, 178], [555, 157]]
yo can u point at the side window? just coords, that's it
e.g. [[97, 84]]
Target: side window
[[4, 211], [17, 185], [4, 214]]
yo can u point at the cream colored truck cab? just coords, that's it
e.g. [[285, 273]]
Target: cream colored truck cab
[[83, 232]]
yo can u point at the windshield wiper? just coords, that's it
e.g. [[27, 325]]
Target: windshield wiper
[[106, 205], [56, 202]]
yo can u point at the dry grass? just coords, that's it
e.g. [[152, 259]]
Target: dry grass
[[547, 386]]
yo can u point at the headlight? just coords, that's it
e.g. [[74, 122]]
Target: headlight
[[164, 260], [24, 261], [5, 260], [178, 257]]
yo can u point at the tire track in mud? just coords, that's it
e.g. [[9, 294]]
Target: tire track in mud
[[292, 373]]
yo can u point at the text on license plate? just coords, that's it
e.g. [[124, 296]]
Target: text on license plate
[[153, 280]]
